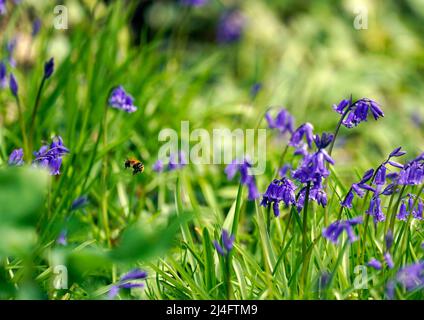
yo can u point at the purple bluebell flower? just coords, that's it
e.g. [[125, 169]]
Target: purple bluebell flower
[[316, 193], [405, 210], [397, 152], [305, 130], [48, 68], [411, 277], [380, 175], [177, 161], [374, 263], [283, 122], [230, 26], [280, 190], [79, 203], [13, 84], [334, 230], [10, 47], [158, 166], [375, 208], [246, 178], [16, 158], [194, 3], [135, 274], [3, 75], [36, 26], [254, 89], [63, 238], [3, 9], [412, 172], [358, 111], [51, 156], [389, 260], [119, 99], [389, 239], [126, 282], [227, 243], [313, 167], [284, 170]]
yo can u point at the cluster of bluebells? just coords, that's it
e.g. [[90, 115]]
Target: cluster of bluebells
[[127, 282], [246, 178], [412, 173], [120, 99], [311, 171], [227, 241], [376, 183], [412, 206], [410, 277], [176, 161], [280, 190], [334, 230], [356, 112], [50, 156]]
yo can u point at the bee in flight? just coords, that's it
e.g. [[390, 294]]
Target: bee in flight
[[137, 165]]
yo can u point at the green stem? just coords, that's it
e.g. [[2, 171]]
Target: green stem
[[23, 131], [105, 217], [305, 221], [237, 211], [34, 113]]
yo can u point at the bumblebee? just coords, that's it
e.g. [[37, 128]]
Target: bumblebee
[[137, 165]]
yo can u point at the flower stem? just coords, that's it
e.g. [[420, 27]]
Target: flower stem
[[305, 220], [105, 217], [34, 113], [23, 131]]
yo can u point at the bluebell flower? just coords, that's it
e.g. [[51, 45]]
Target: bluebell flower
[[412, 173], [411, 277], [405, 210], [227, 243], [16, 158], [280, 190], [13, 84], [10, 47], [246, 178], [313, 168], [63, 238], [389, 260], [254, 89], [119, 99], [283, 122], [358, 111], [284, 170], [375, 209], [380, 175], [374, 263], [316, 193], [79, 203], [3, 9], [177, 161], [158, 166], [389, 239], [51, 156], [194, 3], [126, 282], [230, 26], [48, 68], [36, 26], [305, 130], [334, 230], [3, 75]]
